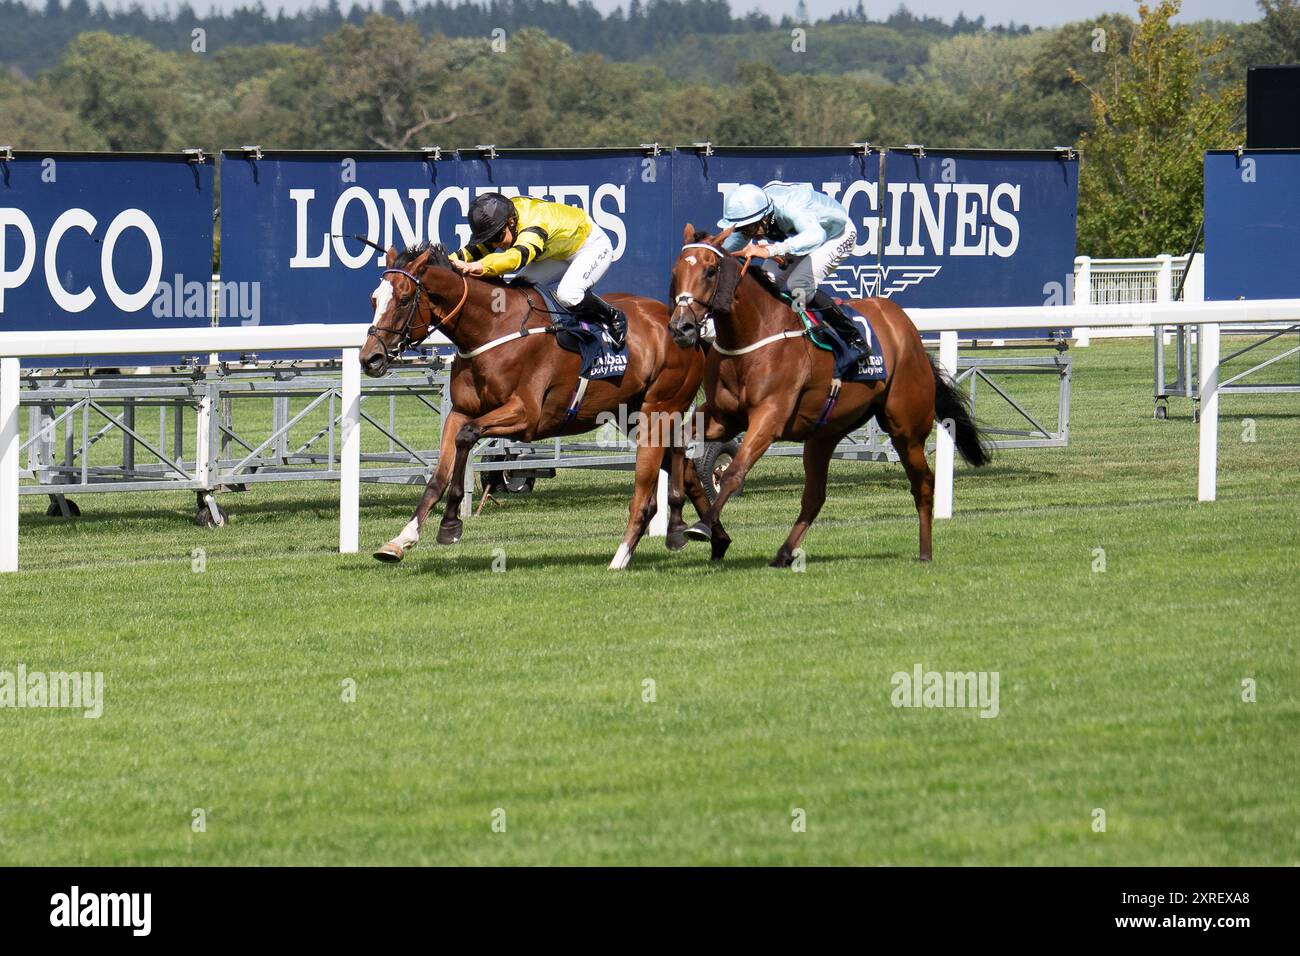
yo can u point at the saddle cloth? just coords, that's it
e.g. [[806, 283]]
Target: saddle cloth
[[590, 340], [851, 365]]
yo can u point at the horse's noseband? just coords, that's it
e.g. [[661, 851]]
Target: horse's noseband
[[404, 331], [685, 300]]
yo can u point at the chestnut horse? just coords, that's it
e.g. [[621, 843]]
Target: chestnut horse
[[509, 382], [765, 378]]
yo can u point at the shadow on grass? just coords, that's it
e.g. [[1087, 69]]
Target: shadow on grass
[[655, 560]]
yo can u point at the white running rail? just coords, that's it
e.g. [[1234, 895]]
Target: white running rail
[[15, 346]]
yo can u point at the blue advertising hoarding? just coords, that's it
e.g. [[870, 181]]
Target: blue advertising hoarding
[[628, 192], [288, 220], [978, 228], [948, 228], [124, 240], [104, 241], [1252, 224], [701, 181]]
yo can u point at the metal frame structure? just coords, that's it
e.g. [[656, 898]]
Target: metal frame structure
[[949, 323], [201, 446], [1187, 349], [1165, 279]]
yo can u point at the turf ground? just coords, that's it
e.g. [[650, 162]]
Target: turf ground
[[522, 691]]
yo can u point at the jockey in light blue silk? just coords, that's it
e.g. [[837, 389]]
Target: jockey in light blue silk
[[807, 228]]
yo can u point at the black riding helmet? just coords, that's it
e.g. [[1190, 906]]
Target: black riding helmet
[[488, 217]]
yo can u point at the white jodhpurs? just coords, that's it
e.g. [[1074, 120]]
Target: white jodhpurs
[[575, 275]]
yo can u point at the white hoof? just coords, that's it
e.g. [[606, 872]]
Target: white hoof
[[392, 552], [622, 558]]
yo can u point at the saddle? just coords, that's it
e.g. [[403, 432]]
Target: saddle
[[589, 340], [851, 365]]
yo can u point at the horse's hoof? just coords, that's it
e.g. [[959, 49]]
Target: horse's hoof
[[622, 558], [390, 553], [720, 549], [699, 532], [780, 561], [676, 540], [449, 533]]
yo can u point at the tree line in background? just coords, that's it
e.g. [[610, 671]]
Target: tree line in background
[[32, 37], [1143, 97]]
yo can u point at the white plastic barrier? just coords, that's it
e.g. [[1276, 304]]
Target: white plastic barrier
[[348, 339], [17, 345]]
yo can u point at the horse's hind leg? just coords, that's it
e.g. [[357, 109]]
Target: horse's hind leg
[[911, 452], [649, 458], [409, 536], [816, 466], [675, 465], [510, 419]]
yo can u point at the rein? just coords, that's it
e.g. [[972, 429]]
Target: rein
[[440, 321], [687, 301]]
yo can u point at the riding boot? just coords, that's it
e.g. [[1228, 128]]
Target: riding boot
[[601, 311], [830, 312]]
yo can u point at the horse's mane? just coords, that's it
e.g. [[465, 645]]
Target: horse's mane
[[441, 258], [438, 255]]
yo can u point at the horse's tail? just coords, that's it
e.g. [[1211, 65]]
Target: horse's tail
[[952, 404]]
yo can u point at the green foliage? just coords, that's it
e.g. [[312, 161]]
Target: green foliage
[[1144, 100], [136, 97], [1154, 116], [830, 49], [1274, 39], [30, 115]]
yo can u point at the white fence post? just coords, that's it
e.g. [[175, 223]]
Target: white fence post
[[944, 448], [1209, 361], [1165, 278], [659, 523], [204, 467], [1194, 284], [350, 454], [9, 464], [1082, 296]]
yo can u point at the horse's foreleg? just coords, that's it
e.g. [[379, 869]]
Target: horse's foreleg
[[764, 426], [409, 536], [510, 419], [700, 499], [713, 430], [816, 465]]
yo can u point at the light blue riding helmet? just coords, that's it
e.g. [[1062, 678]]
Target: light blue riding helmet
[[745, 204]]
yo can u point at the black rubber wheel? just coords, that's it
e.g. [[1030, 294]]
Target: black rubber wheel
[[54, 511], [204, 516], [509, 482], [1162, 412], [713, 461]]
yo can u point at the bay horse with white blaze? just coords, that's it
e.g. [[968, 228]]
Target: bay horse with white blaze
[[508, 381], [766, 379]]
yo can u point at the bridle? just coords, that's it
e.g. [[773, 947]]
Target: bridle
[[404, 332], [684, 300], [687, 301]]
